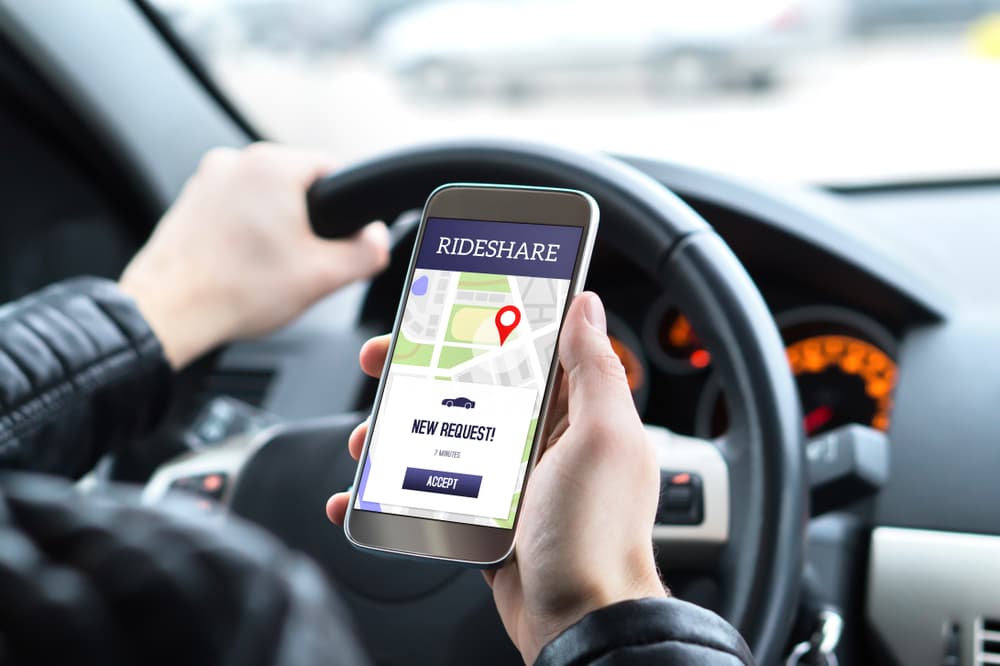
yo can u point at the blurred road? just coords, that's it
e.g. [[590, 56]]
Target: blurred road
[[898, 108]]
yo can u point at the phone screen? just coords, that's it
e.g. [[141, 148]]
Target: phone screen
[[453, 432]]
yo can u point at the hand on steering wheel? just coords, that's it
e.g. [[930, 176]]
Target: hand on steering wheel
[[236, 257], [583, 536]]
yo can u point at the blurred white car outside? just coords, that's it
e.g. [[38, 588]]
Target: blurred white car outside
[[509, 46]]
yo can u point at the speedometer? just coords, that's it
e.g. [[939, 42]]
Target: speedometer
[[842, 379]]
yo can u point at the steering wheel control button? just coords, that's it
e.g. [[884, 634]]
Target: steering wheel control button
[[445, 483], [678, 498], [681, 499], [210, 486]]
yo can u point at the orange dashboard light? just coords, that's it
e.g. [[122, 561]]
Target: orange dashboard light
[[856, 348], [850, 364], [833, 345], [878, 388], [633, 366], [854, 357], [212, 482], [680, 333], [700, 358], [877, 361], [813, 362]]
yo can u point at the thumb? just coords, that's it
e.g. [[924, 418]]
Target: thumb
[[598, 388], [345, 260]]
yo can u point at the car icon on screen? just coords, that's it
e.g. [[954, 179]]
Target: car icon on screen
[[458, 402]]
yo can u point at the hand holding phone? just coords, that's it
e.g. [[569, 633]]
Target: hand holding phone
[[584, 533], [462, 401]]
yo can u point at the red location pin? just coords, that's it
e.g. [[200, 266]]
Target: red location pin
[[507, 319]]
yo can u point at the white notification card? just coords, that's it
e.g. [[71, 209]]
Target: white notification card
[[450, 446]]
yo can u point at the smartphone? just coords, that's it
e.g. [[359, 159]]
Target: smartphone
[[460, 407]]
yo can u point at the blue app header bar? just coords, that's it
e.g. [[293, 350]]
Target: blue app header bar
[[504, 248]]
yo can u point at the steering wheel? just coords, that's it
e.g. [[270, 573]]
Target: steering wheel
[[753, 481]]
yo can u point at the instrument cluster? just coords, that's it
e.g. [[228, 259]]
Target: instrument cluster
[[843, 362]]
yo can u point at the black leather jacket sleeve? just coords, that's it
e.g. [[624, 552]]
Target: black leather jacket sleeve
[[649, 631], [81, 373], [97, 579]]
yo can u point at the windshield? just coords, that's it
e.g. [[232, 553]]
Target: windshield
[[826, 91]]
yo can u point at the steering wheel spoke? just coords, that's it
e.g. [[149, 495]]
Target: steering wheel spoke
[[692, 526], [210, 474]]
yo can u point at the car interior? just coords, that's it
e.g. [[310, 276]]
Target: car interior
[[820, 356]]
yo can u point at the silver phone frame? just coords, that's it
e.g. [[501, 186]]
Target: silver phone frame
[[452, 541]]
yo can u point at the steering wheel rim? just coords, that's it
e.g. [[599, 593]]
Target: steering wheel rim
[[763, 559]]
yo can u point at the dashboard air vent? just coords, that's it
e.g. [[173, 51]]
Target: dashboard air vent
[[249, 385], [986, 638]]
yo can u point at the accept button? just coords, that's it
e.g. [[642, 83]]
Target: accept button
[[445, 483]]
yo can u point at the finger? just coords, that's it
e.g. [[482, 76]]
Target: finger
[[489, 575], [341, 261], [598, 390], [356, 441], [336, 507], [373, 355]]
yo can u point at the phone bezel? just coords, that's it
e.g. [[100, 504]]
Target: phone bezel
[[466, 543]]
